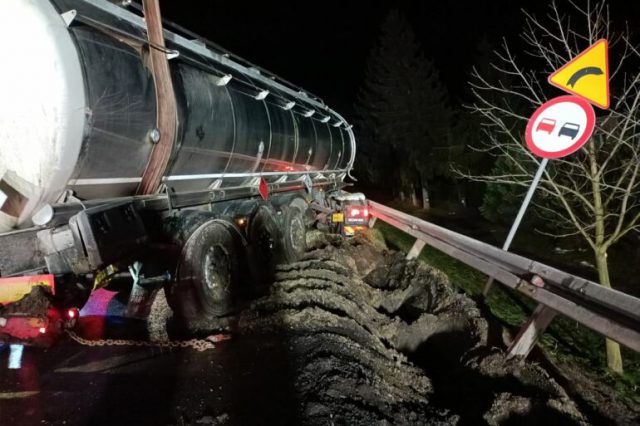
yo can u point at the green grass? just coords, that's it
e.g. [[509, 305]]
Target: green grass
[[565, 340]]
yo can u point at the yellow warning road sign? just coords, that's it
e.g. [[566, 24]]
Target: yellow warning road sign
[[586, 75]]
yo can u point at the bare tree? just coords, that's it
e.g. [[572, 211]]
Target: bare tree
[[594, 193]]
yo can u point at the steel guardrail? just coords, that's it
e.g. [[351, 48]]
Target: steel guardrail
[[611, 313]]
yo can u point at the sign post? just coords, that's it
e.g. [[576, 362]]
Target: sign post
[[556, 129], [519, 216]]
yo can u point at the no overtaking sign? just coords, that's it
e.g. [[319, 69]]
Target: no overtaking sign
[[560, 127]]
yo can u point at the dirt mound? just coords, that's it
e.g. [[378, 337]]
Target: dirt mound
[[36, 303], [376, 339], [604, 405], [358, 335], [341, 350]]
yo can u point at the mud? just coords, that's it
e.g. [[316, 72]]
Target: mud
[[373, 339], [35, 303], [603, 404]]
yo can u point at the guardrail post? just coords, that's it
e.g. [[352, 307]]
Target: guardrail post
[[531, 331], [416, 249]]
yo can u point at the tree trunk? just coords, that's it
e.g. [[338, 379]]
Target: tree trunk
[[614, 357], [461, 197], [426, 202], [414, 198]]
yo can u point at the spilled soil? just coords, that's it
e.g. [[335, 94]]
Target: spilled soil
[[364, 337], [352, 334]]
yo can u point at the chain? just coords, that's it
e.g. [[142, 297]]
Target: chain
[[199, 345]]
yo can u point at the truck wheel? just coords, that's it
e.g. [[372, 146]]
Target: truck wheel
[[265, 245], [294, 234], [206, 274]]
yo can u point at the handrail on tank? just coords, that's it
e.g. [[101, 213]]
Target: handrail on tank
[[202, 48], [199, 46], [180, 30]]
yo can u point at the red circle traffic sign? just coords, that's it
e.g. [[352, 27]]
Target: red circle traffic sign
[[559, 127]]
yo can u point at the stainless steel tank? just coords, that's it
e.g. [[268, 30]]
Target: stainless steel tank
[[78, 112]]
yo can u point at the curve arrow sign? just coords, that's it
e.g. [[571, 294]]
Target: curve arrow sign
[[583, 72], [586, 75]]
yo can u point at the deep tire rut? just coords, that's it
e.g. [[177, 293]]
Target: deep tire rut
[[358, 335], [375, 339]]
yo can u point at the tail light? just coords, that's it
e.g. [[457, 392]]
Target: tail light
[[72, 313], [358, 212], [42, 330]]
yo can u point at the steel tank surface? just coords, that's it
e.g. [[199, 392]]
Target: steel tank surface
[[80, 113]]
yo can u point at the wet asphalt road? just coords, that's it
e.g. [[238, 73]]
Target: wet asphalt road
[[237, 382]]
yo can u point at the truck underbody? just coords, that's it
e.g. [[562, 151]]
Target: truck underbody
[[151, 158], [207, 257]]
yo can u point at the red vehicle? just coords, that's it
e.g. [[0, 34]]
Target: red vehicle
[[546, 125], [29, 314], [352, 214]]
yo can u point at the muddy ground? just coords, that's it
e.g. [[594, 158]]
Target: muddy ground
[[352, 334], [369, 338]]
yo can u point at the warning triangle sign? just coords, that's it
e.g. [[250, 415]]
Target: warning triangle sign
[[587, 75]]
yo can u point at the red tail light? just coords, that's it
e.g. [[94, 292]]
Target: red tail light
[[42, 330], [355, 212], [72, 313]]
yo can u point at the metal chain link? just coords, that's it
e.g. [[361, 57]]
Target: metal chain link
[[199, 345]]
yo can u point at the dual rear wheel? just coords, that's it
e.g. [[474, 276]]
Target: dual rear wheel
[[216, 267], [205, 274]]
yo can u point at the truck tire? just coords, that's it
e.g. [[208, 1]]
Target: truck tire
[[265, 245], [294, 234], [206, 274]]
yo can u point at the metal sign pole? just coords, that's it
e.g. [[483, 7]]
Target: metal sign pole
[[516, 222]]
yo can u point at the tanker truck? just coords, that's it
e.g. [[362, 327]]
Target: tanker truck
[[134, 153]]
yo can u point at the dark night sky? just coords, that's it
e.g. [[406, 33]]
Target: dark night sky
[[322, 46]]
